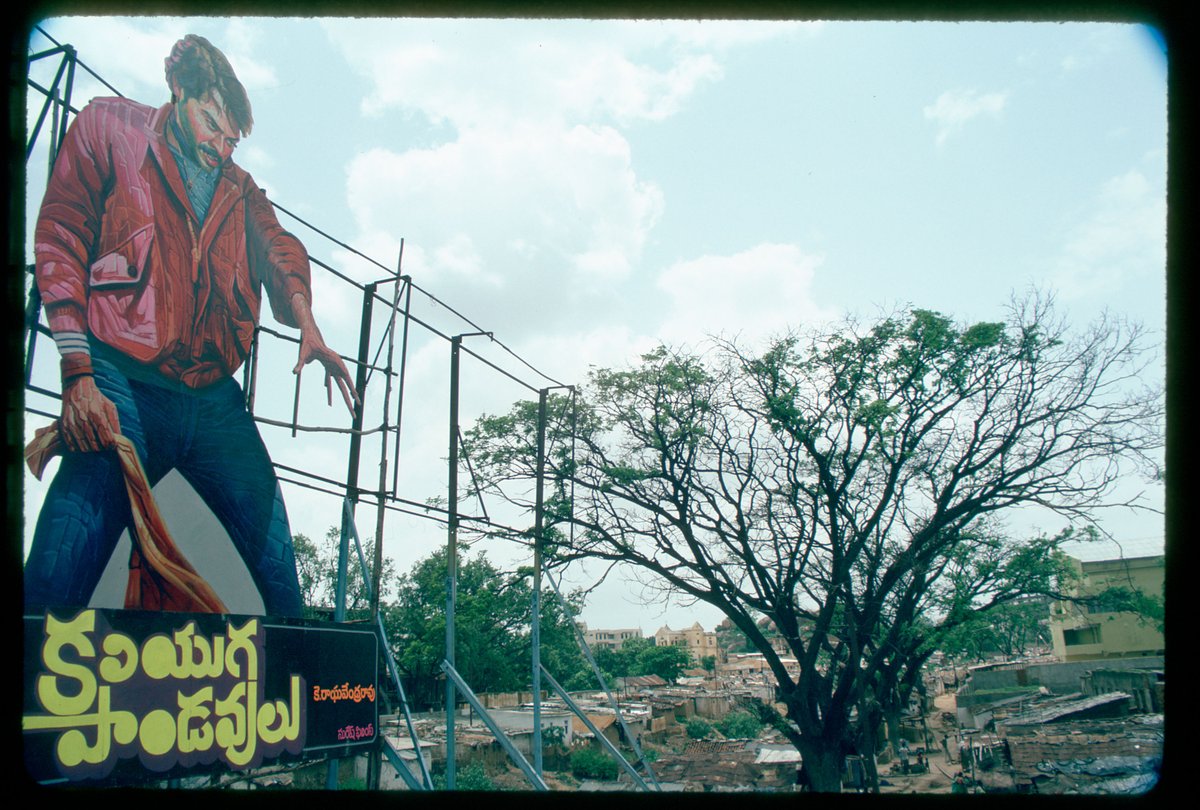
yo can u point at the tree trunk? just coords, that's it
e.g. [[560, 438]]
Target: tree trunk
[[823, 765], [891, 719], [870, 719]]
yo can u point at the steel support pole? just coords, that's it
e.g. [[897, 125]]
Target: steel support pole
[[68, 90], [376, 584], [599, 735], [452, 548], [394, 758], [452, 556], [536, 608], [360, 384], [534, 778], [375, 576], [612, 701], [403, 368], [51, 98]]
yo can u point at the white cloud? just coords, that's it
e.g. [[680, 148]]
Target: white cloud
[[484, 75], [254, 159], [608, 83], [567, 356], [1122, 239], [755, 294], [240, 42], [953, 110], [555, 213]]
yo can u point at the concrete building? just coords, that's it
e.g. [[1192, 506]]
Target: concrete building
[[1083, 632], [698, 641], [611, 639], [741, 665]]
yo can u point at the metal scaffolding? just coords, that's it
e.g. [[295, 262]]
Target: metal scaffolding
[[390, 372]]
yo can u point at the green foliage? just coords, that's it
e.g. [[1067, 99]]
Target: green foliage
[[847, 486], [709, 663], [697, 728], [317, 568], [471, 777], [492, 641], [592, 763], [622, 662], [739, 724], [665, 662], [640, 656], [1128, 599]]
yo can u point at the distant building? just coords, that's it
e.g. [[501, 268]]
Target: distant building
[[1083, 631], [742, 665], [698, 641], [610, 639]]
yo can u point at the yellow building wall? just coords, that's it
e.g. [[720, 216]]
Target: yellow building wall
[[1120, 634]]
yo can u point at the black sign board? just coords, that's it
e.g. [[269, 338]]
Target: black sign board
[[118, 696]]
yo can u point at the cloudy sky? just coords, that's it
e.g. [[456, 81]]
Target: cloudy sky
[[589, 189]]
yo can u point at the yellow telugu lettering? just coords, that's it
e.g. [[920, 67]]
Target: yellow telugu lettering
[[242, 640], [70, 691], [277, 720], [60, 635], [72, 747], [237, 732], [194, 733], [121, 658]]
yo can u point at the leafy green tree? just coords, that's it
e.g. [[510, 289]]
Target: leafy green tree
[[317, 568], [472, 777], [709, 663], [591, 763], [697, 728], [739, 724], [1009, 629], [1150, 609], [622, 661], [640, 656], [667, 662], [493, 648], [848, 485]]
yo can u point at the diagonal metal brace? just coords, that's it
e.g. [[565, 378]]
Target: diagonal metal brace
[[501, 737], [393, 669], [394, 757], [612, 749], [612, 701]]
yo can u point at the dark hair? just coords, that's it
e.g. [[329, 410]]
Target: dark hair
[[199, 66]]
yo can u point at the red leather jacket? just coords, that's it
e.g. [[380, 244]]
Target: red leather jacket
[[121, 256]]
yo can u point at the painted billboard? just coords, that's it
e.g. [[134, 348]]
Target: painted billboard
[[117, 697], [153, 255]]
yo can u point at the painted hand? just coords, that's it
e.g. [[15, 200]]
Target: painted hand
[[312, 347], [89, 419]]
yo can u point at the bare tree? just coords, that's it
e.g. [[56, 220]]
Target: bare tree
[[848, 486]]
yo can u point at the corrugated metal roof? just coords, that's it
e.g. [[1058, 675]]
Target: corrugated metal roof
[[1049, 714], [777, 755]]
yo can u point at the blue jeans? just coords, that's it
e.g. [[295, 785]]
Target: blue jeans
[[213, 442]]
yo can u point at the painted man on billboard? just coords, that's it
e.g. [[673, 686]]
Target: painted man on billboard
[[152, 250]]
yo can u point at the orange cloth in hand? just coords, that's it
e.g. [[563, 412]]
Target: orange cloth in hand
[[160, 577]]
